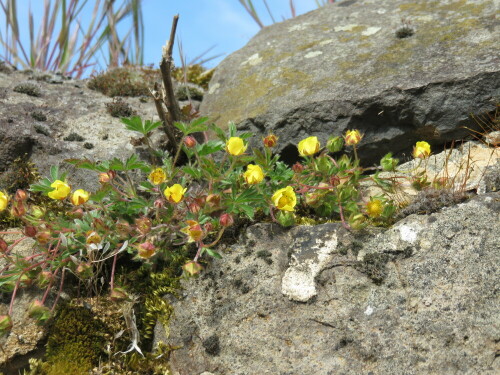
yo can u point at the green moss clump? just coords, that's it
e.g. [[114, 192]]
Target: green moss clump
[[196, 74], [39, 116], [189, 91], [119, 108], [374, 266], [28, 89], [74, 137], [75, 343], [41, 130], [125, 81]]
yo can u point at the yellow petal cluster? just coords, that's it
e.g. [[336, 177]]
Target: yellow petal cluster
[[421, 150], [4, 201], [254, 174], [157, 176], [174, 193], [308, 146], [193, 230], [285, 199], [235, 146], [374, 208], [61, 190], [79, 197], [352, 137]]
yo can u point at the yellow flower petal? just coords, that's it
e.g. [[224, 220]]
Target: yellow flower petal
[[79, 197], [174, 193], [421, 150], [157, 176], [253, 174], [308, 146], [235, 146], [285, 199], [61, 190], [4, 201]]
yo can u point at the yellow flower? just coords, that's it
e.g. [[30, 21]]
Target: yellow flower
[[4, 201], [254, 174], [235, 146], [308, 146], [285, 199], [61, 190], [374, 208], [421, 150], [79, 197], [157, 176], [193, 230], [175, 193], [352, 137]]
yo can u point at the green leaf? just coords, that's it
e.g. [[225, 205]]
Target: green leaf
[[182, 127], [43, 186], [219, 133], [213, 253], [193, 172], [135, 124], [133, 162], [197, 125], [150, 126], [209, 148]]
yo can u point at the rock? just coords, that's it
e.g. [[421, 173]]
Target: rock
[[26, 337], [76, 125], [343, 67], [418, 298]]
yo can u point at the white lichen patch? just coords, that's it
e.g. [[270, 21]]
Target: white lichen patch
[[345, 28], [299, 27], [369, 311], [325, 42], [408, 233], [298, 282], [313, 54], [253, 60], [371, 30], [214, 88]]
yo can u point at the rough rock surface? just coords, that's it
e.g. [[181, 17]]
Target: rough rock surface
[[342, 67], [38, 125], [24, 340], [418, 298]]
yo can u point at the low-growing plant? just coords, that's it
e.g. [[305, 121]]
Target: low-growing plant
[[172, 210]]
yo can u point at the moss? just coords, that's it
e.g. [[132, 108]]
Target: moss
[[39, 116], [189, 91], [76, 341], [88, 145], [74, 137], [28, 89], [195, 73], [119, 108], [374, 266], [212, 345], [40, 129], [125, 81], [265, 256], [404, 32]]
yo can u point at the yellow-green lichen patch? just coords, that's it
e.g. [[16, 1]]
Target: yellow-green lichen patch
[[467, 8]]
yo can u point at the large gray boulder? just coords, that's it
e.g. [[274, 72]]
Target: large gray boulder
[[352, 65], [418, 298]]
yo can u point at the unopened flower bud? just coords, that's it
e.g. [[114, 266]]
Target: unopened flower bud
[[352, 137], [159, 203], [37, 212], [192, 267], [297, 167], [270, 140], [208, 227], [30, 230], [118, 294], [190, 141], [20, 195], [335, 144], [124, 229], [106, 177], [43, 237], [226, 220], [18, 209], [3, 245], [194, 207], [38, 311], [143, 224], [76, 213], [146, 250], [5, 324]]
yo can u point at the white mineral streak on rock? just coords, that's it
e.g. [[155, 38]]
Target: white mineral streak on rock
[[325, 42], [408, 234], [371, 31], [213, 88], [252, 60], [369, 311], [298, 281], [313, 54]]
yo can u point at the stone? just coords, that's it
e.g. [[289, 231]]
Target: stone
[[343, 67], [71, 109], [418, 298]]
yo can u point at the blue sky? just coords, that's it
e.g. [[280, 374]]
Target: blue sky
[[223, 24]]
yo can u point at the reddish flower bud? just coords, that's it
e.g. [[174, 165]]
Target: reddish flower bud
[[30, 231], [159, 203], [20, 195], [208, 227], [270, 140], [76, 213], [43, 237], [18, 209], [146, 250], [226, 220], [189, 141], [3, 245], [297, 167], [194, 207]]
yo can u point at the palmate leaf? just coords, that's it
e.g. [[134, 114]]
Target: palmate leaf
[[43, 186], [135, 124], [209, 148]]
